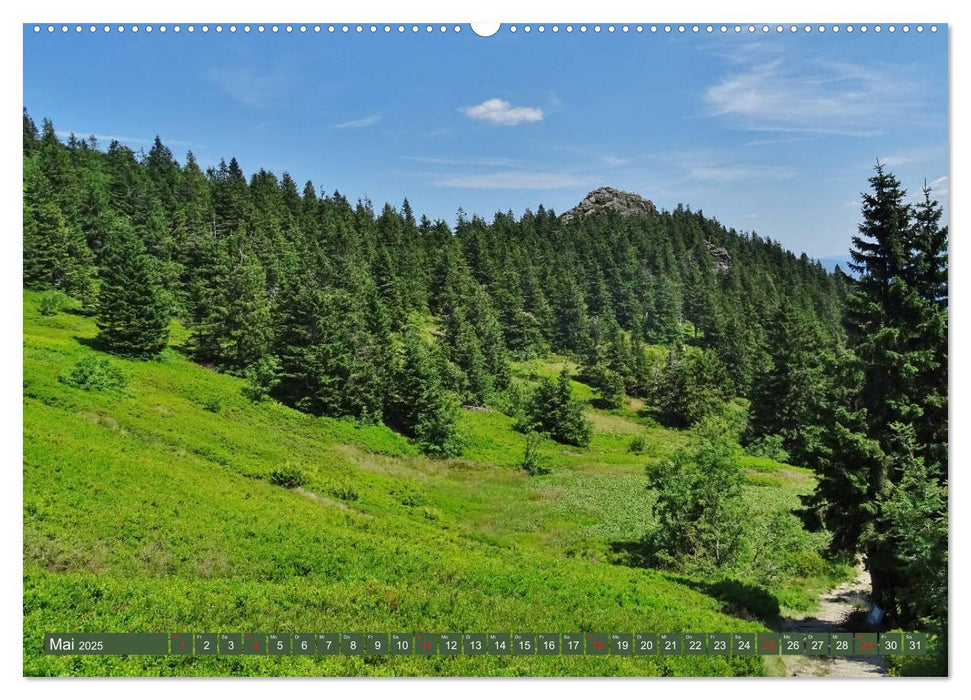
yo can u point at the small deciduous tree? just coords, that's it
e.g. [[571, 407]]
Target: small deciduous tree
[[699, 508]]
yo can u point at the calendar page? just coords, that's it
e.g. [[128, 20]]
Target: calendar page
[[534, 349]]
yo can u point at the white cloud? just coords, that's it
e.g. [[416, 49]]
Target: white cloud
[[813, 97], [516, 180], [499, 111], [253, 86], [488, 161], [369, 120], [734, 173], [939, 187], [895, 160], [613, 161]]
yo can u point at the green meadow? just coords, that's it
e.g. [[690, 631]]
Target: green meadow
[[152, 508]]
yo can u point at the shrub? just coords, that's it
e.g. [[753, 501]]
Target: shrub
[[691, 387], [699, 507], [769, 446], [262, 377], [52, 303], [213, 404], [533, 462], [93, 373], [288, 477], [344, 493], [609, 385], [638, 445]]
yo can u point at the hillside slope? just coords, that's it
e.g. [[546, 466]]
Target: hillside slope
[[151, 509]]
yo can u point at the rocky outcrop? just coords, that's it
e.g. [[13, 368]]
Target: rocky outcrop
[[607, 199], [720, 258]]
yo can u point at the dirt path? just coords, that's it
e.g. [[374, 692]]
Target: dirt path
[[834, 608]]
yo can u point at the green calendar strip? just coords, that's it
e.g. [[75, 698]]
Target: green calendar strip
[[492, 643]]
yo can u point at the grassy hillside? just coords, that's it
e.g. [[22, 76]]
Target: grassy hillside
[[151, 509]]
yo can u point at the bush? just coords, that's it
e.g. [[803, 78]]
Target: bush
[[700, 508], [262, 377], [638, 445], [288, 477], [93, 373], [212, 404], [344, 493], [533, 462], [770, 447], [52, 303]]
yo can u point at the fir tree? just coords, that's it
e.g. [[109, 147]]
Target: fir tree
[[553, 410], [132, 315], [419, 406]]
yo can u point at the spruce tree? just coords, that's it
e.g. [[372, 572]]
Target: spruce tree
[[787, 397], [553, 410], [236, 329], [132, 315], [888, 389], [419, 406]]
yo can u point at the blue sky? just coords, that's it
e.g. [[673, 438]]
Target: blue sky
[[775, 133]]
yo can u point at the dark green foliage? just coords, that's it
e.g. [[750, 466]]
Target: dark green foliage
[[262, 377], [132, 314], [690, 387], [420, 407], [553, 410], [699, 506], [56, 254], [912, 521], [329, 358], [235, 330], [637, 445], [787, 397], [259, 267], [93, 373], [288, 477], [883, 455]]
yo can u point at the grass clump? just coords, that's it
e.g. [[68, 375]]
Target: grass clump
[[288, 477]]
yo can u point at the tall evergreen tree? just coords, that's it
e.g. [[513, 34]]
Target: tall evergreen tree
[[886, 381], [132, 314], [419, 405]]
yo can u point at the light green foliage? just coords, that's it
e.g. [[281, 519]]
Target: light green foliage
[[352, 549], [94, 373], [700, 510], [534, 463], [262, 377], [769, 446], [53, 302]]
